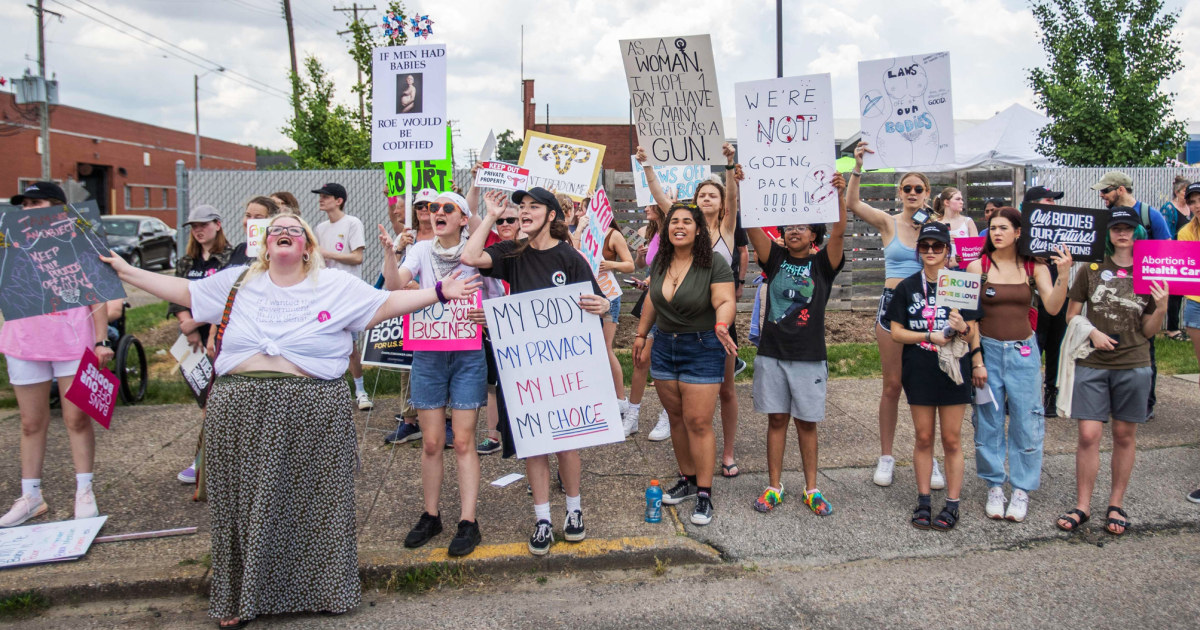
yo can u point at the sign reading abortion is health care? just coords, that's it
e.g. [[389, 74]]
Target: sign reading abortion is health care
[[558, 389], [1081, 230], [958, 289], [969, 248], [408, 87], [1176, 263]]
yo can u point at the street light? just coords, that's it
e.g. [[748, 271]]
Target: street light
[[196, 102]]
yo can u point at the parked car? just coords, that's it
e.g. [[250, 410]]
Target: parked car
[[142, 241]]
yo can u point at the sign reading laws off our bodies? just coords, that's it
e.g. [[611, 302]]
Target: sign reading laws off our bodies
[[673, 93], [408, 88], [1081, 230], [906, 110]]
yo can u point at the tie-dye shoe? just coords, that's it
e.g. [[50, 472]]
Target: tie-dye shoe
[[769, 499], [817, 503]]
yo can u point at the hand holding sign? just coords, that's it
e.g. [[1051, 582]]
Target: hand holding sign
[[94, 389], [1063, 260]]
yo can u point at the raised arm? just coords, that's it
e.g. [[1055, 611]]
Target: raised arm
[[394, 276], [163, 287], [729, 223], [407, 301], [656, 190], [877, 219], [835, 246], [473, 254]]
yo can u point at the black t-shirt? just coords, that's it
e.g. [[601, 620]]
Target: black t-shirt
[[536, 269], [239, 256], [912, 296], [797, 291]]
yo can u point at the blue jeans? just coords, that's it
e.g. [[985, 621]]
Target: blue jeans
[[1016, 384]]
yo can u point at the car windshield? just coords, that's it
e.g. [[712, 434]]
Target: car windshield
[[123, 227]]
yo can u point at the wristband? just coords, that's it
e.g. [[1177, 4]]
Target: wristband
[[975, 351], [927, 336], [979, 366], [437, 288], [720, 325], [855, 173]]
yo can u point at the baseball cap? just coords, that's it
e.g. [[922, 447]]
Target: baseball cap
[[936, 231], [203, 214], [542, 196], [1037, 193], [333, 190], [40, 190], [425, 195], [1192, 189], [1112, 179], [1123, 215]]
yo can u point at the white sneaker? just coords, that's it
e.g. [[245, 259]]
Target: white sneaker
[[995, 502], [662, 430], [24, 509], [364, 402], [629, 418], [622, 406], [1017, 506], [85, 503], [937, 480], [883, 470]]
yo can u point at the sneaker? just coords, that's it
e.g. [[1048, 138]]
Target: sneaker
[[995, 503], [542, 538], [662, 430], [24, 509], [817, 503], [937, 480], [883, 470], [1050, 403], [426, 528], [364, 402], [404, 432], [678, 492], [630, 419], [187, 475], [1194, 496], [739, 366], [488, 446], [465, 540], [573, 529], [85, 504], [769, 499], [449, 436], [703, 513], [1018, 505]]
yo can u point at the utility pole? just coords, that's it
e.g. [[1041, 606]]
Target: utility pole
[[287, 17], [196, 103], [45, 107], [779, 38], [362, 108]]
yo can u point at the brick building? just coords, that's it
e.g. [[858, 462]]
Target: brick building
[[126, 166]]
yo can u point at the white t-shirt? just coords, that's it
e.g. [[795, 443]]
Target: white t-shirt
[[309, 324], [342, 237], [419, 260]]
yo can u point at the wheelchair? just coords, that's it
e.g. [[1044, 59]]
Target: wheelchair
[[130, 358]]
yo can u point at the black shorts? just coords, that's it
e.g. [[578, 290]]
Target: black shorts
[[925, 384], [881, 317], [493, 372]]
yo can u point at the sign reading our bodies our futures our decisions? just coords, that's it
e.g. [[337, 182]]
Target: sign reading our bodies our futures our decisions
[[958, 289], [906, 111], [501, 175], [1046, 226], [443, 327], [383, 345], [562, 164], [408, 88], [1176, 263], [437, 174], [673, 93], [682, 180], [786, 146], [557, 387]]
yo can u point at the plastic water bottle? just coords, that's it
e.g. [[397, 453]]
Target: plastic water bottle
[[654, 502]]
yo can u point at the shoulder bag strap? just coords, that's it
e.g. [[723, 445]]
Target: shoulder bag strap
[[225, 315]]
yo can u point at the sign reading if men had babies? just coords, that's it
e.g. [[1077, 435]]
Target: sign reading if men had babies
[[408, 88], [1081, 230], [673, 92], [786, 146], [906, 111], [558, 389]]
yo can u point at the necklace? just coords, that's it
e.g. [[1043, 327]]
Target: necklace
[[676, 277]]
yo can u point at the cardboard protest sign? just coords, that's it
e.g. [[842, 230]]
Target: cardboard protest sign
[[94, 389], [196, 368], [906, 111], [489, 148], [437, 174], [502, 175], [958, 289], [90, 212], [591, 242], [969, 248], [1081, 230], [48, 542], [632, 237], [1175, 262], [681, 180], [408, 88], [443, 327], [562, 164], [673, 92], [786, 147], [49, 262], [383, 345], [256, 233], [558, 389]]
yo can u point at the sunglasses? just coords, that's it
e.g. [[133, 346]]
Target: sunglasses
[[1105, 191], [933, 248], [916, 189], [291, 230], [506, 220], [421, 205], [444, 208]]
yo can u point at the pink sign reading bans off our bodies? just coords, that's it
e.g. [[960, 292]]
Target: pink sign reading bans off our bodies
[[1175, 262], [444, 327], [94, 389], [969, 248]]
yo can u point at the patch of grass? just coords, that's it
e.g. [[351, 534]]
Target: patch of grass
[[854, 360], [142, 318], [1175, 357], [421, 579], [541, 579], [660, 566], [23, 605]]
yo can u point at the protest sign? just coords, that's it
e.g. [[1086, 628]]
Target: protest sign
[[256, 231], [1081, 230], [673, 93], [408, 88], [383, 345], [443, 327], [591, 242], [502, 175], [196, 368], [1176, 263], [94, 389], [562, 164], [632, 237], [489, 148], [786, 147], [551, 356], [90, 212], [436, 174], [49, 262], [681, 180], [906, 111], [958, 289], [969, 248], [48, 542]]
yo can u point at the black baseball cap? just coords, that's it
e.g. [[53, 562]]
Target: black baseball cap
[[333, 190], [1123, 215], [542, 196], [936, 231], [1192, 189], [40, 190], [1038, 193]]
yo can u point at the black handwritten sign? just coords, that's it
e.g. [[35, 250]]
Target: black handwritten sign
[[49, 262], [383, 345], [1081, 230]]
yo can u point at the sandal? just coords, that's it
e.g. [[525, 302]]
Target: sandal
[[921, 516], [1119, 522], [946, 520], [729, 471], [1074, 523], [1177, 335]]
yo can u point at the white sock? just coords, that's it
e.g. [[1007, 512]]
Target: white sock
[[358, 386], [541, 511], [623, 405], [573, 504], [886, 458], [635, 407], [31, 488], [82, 481]]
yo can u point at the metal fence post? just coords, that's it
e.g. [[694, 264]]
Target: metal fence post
[[181, 205]]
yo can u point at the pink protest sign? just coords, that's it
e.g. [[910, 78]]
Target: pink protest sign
[[444, 327], [1175, 262], [969, 248], [94, 389]]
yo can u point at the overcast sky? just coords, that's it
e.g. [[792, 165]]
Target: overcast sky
[[571, 51]]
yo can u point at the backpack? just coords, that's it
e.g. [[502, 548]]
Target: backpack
[[986, 263]]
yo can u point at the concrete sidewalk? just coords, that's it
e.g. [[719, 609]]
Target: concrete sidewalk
[[138, 459]]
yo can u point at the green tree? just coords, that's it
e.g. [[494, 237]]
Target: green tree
[[508, 148], [1102, 85], [326, 135], [365, 37]]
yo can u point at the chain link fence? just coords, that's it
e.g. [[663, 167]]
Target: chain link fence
[[1150, 185]]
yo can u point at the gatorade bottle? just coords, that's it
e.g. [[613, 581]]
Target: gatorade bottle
[[654, 502]]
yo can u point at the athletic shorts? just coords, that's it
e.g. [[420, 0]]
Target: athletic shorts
[[1121, 394], [796, 388], [22, 372], [881, 318]]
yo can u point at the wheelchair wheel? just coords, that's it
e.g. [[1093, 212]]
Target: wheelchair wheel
[[131, 370]]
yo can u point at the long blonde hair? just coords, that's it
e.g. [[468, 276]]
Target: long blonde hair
[[312, 266]]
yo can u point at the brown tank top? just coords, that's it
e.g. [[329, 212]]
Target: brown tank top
[[1006, 311]]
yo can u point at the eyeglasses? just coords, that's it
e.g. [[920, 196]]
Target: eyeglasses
[[796, 228], [916, 189], [294, 231], [444, 208], [506, 220], [933, 248]]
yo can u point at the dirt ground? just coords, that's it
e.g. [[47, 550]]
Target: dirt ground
[[840, 327]]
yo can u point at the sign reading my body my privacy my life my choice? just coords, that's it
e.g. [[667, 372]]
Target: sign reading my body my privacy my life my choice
[[1081, 230], [558, 389], [408, 87]]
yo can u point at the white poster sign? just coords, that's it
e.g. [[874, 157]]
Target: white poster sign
[[502, 175], [906, 111], [489, 148], [557, 386], [562, 164], [409, 95], [256, 233], [681, 180], [958, 289], [48, 542], [786, 146], [673, 92]]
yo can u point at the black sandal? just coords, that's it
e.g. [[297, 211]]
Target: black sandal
[[1075, 523], [921, 516], [946, 519], [1119, 522]]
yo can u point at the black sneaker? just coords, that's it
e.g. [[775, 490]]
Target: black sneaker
[[1050, 403], [542, 538], [678, 492], [573, 529], [703, 513], [425, 529], [466, 539], [1194, 496], [404, 432], [739, 366]]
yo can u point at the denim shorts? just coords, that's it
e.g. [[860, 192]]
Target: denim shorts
[[456, 379], [1191, 314], [614, 309], [693, 357]]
